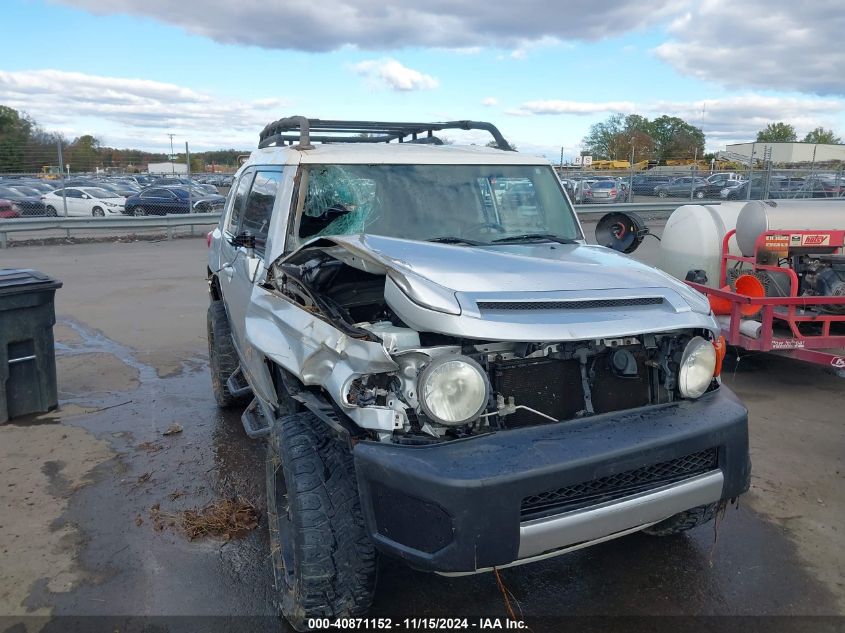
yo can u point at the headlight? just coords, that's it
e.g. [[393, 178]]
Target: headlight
[[453, 390], [698, 364]]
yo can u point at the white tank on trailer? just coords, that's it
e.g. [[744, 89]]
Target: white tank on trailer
[[758, 216], [692, 239]]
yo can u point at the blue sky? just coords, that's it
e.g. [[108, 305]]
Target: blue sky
[[214, 72]]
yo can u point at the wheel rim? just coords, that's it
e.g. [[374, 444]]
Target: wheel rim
[[139, 211], [281, 529], [699, 194]]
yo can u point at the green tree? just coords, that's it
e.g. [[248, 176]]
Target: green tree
[[599, 141], [822, 137], [778, 132], [84, 153], [15, 131], [674, 138]]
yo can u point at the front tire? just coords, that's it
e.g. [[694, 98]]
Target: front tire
[[51, 212], [324, 562], [683, 521], [97, 212], [222, 357]]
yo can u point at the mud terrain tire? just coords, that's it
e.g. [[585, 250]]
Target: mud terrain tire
[[683, 521], [323, 560], [222, 357]]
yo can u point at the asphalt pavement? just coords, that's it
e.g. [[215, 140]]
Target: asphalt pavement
[[83, 489]]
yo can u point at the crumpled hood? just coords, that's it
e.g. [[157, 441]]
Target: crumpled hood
[[524, 268]]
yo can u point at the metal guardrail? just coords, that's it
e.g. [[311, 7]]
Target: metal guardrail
[[169, 222], [127, 223], [599, 208]]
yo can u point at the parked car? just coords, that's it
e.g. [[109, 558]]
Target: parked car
[[84, 201], [8, 210], [167, 200], [822, 186], [777, 188], [604, 191], [644, 184], [452, 381], [27, 203], [184, 182], [686, 187], [39, 185]]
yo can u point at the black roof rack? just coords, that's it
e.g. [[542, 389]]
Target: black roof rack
[[299, 130]]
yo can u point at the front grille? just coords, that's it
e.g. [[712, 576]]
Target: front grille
[[620, 485], [569, 305]]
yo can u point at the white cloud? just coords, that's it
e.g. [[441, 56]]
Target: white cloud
[[391, 73], [77, 103], [582, 108], [489, 102], [379, 25], [724, 120], [767, 44]]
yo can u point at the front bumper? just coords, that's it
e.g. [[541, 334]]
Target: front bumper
[[459, 507]]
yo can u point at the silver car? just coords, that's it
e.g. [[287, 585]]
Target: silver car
[[445, 372]]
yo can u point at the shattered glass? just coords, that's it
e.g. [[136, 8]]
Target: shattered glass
[[333, 191]]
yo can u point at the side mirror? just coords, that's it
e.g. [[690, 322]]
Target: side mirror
[[244, 239], [623, 232]]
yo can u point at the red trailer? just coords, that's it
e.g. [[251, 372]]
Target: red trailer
[[807, 327]]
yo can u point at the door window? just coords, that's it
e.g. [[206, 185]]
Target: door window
[[238, 202], [259, 207]]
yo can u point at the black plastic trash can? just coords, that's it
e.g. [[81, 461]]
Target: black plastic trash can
[[27, 356]]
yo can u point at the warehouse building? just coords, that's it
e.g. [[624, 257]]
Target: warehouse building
[[167, 168], [789, 152]]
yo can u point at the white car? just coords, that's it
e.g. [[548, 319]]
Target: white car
[[84, 201]]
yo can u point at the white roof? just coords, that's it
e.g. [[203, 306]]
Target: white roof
[[392, 153]]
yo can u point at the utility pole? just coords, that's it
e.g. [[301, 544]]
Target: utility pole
[[62, 172], [188, 164], [172, 168]]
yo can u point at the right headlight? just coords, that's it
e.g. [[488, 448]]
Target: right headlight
[[698, 364], [453, 390]]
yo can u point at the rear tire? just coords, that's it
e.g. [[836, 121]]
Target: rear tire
[[139, 212], [222, 357], [683, 521], [324, 562], [662, 194]]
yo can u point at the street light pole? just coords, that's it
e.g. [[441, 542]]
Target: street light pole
[[172, 167]]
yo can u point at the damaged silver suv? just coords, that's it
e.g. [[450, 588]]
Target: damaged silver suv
[[444, 370]]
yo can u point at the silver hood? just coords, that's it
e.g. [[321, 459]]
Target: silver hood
[[525, 292]]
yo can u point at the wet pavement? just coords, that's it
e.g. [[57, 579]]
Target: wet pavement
[[760, 561]]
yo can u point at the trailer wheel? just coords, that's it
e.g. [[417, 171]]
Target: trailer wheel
[[323, 560], [683, 521]]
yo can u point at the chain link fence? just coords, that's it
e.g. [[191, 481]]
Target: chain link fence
[[594, 186], [48, 177]]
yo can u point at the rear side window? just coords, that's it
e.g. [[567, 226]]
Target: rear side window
[[259, 206], [239, 201]]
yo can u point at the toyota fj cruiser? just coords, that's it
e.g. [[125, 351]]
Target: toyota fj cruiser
[[444, 370]]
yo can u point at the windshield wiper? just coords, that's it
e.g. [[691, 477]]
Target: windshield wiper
[[449, 239], [534, 237]]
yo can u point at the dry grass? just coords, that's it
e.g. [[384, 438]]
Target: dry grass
[[226, 518]]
